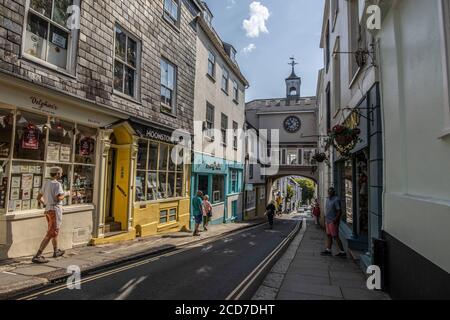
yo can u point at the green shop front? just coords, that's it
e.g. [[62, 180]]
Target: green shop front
[[222, 181]]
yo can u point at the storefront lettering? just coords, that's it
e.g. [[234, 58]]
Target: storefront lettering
[[353, 120], [214, 166], [43, 104], [158, 136]]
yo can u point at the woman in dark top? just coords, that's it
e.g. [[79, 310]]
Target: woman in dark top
[[270, 212]]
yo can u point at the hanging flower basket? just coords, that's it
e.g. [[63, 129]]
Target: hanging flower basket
[[344, 139], [320, 157]]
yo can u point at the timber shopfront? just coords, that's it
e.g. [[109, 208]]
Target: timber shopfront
[[38, 131], [146, 183], [222, 181]]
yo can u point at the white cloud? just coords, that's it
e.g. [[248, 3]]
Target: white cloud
[[248, 49], [259, 14], [231, 3]]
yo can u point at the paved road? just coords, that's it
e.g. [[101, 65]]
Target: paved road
[[209, 271]]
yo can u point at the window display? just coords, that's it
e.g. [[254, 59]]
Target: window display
[[41, 142], [218, 189], [164, 177]]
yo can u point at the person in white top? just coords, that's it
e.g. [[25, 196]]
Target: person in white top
[[51, 196]]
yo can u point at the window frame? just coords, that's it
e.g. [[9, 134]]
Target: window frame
[[444, 16], [213, 65], [72, 42], [214, 192], [225, 80], [224, 129], [168, 15], [137, 68], [168, 215], [158, 171], [235, 91], [235, 135], [210, 123], [334, 7], [174, 91], [45, 163]]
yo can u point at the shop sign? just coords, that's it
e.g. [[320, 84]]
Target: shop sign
[[43, 105], [155, 135], [213, 166], [353, 120]]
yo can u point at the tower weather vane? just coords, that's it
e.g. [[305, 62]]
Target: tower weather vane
[[292, 63]]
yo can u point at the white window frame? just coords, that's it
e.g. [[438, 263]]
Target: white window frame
[[235, 135], [173, 107], [213, 63], [444, 16], [224, 129], [137, 69], [209, 132], [225, 80], [235, 91], [71, 46]]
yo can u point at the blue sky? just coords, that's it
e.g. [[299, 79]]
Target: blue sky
[[278, 30]]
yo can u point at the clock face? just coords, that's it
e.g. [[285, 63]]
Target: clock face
[[292, 124]]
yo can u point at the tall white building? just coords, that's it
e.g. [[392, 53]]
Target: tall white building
[[219, 116]]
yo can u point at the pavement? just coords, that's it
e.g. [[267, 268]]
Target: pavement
[[20, 275], [303, 274], [215, 269]]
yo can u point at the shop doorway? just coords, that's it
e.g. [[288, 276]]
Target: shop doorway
[[110, 224], [203, 184]]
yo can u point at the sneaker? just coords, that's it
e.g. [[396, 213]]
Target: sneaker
[[341, 255], [58, 253], [39, 260], [326, 253]]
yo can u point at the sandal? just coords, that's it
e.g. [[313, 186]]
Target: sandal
[[39, 260]]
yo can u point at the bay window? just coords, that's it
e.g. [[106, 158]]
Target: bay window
[[48, 37]]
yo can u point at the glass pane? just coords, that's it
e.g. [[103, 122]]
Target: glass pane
[[163, 216], [142, 155], [60, 14], [168, 5], [171, 185], [30, 136], [172, 159], [3, 184], [83, 184], [162, 194], [121, 39], [132, 52], [6, 127], [26, 181], [164, 71], [218, 189], [151, 186], [118, 76], [129, 81], [153, 156], [36, 37], [172, 214], [180, 159], [174, 12], [57, 50], [60, 137], [140, 186], [42, 6], [163, 153], [179, 185], [85, 145], [170, 77]]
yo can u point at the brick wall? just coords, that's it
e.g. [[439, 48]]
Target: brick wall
[[93, 80]]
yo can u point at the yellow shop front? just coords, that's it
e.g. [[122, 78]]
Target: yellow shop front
[[146, 184]]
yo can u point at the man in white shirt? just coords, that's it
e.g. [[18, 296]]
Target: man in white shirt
[[51, 196]]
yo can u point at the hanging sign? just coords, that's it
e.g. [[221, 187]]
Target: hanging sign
[[87, 146]]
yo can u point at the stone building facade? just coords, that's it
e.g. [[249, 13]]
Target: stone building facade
[[101, 101]]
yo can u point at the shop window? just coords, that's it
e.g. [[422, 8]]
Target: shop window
[[30, 136], [158, 177], [48, 38], [348, 187], [126, 62], [234, 181], [6, 130], [43, 142], [218, 189]]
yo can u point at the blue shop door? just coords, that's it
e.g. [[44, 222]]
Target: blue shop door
[[234, 214]]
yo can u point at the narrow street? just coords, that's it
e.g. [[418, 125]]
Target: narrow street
[[209, 271]]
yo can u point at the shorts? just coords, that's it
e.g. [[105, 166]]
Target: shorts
[[53, 230], [198, 219], [332, 229]]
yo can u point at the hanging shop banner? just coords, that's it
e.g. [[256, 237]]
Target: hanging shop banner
[[30, 139], [87, 146]]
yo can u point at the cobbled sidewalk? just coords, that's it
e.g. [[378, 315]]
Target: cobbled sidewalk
[[20, 275]]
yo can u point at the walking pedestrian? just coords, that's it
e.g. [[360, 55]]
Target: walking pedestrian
[[270, 212], [197, 204], [333, 217], [207, 212], [51, 197], [316, 212]]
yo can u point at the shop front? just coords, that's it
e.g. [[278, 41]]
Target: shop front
[[358, 179], [146, 183], [222, 181], [39, 130]]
